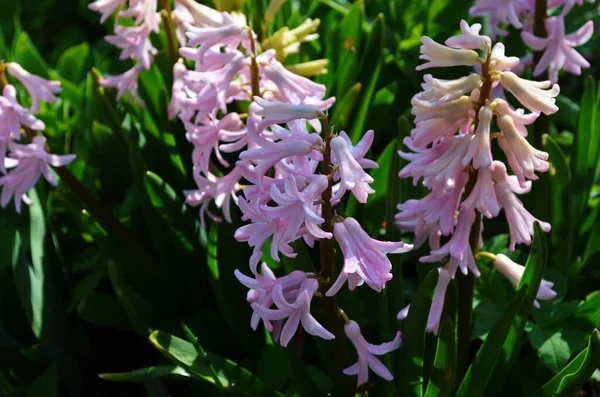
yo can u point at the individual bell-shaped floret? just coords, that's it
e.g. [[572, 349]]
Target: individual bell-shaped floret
[[365, 259], [514, 272], [438, 55], [366, 354], [534, 95]]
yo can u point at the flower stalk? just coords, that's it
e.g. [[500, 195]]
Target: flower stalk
[[172, 44], [331, 307]]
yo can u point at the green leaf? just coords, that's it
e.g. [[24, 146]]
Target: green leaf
[[344, 110], [479, 373], [586, 148], [410, 363], [175, 213], [349, 42], [223, 256], [140, 313], [441, 380], [45, 385], [560, 198], [71, 62], [203, 355], [28, 56], [146, 374], [370, 68], [232, 376], [555, 345], [511, 343], [568, 381], [103, 310]]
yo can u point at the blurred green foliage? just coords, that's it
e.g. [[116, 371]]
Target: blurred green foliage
[[81, 298]]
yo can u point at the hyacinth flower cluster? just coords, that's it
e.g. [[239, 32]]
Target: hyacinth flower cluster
[[297, 175], [21, 163], [558, 47], [451, 151], [229, 68], [133, 39]]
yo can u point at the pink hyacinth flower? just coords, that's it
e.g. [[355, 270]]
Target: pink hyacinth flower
[[499, 61], [360, 150], [261, 289], [299, 206], [438, 55], [134, 43], [220, 189], [32, 160], [461, 256], [520, 221], [434, 208], [352, 175], [267, 157], [504, 11], [296, 313], [38, 88], [483, 196], [534, 95], [437, 91], [480, 149], [437, 305], [514, 272], [519, 118], [13, 115], [470, 39], [559, 52], [275, 112], [365, 258], [366, 354], [126, 82], [106, 7], [229, 33], [523, 158]]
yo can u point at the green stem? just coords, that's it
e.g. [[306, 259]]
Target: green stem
[[345, 385], [172, 43]]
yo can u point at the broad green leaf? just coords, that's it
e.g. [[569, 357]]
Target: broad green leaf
[[481, 370], [28, 56], [410, 364], [146, 374], [441, 380], [231, 375], [103, 310], [554, 346], [568, 381], [71, 63]]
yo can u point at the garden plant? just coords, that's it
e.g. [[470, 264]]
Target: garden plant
[[299, 198]]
